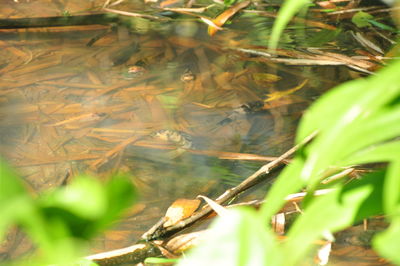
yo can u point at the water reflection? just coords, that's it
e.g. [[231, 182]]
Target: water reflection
[[66, 106]]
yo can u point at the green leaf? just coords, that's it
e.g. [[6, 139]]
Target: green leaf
[[86, 207], [315, 118], [355, 97], [10, 185], [385, 152], [389, 152], [351, 125], [84, 197], [286, 12], [160, 260], [361, 19], [322, 37], [381, 126], [386, 243], [276, 195], [16, 205], [392, 191], [382, 26], [332, 212], [59, 220], [238, 238], [22, 211], [120, 194], [358, 121], [229, 2]]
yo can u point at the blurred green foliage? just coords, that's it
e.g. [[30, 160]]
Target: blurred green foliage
[[361, 19], [364, 128], [357, 123], [61, 220]]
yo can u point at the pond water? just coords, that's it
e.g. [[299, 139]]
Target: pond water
[[161, 101]]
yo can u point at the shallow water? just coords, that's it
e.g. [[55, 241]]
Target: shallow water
[[68, 108]]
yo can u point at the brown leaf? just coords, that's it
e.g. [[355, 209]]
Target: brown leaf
[[326, 4], [180, 209], [227, 14]]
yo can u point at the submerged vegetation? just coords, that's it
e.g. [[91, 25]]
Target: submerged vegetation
[[346, 159]]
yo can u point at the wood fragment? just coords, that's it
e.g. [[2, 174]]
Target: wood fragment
[[133, 254]]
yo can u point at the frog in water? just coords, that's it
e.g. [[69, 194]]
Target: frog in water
[[178, 138], [134, 71]]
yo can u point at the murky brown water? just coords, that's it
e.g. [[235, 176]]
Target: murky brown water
[[66, 107]]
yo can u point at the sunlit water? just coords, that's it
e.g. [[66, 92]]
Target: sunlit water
[[65, 105]]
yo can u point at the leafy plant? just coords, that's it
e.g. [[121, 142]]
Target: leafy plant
[[363, 19], [358, 123], [61, 220], [286, 12]]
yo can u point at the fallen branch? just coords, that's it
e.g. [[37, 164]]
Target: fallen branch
[[138, 252], [178, 244], [158, 231], [133, 254]]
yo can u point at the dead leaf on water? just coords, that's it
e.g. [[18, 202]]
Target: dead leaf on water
[[279, 94], [224, 16], [265, 78], [179, 210]]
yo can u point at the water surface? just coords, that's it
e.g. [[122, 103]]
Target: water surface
[[69, 108]]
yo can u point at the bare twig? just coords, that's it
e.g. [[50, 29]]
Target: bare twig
[[314, 57], [180, 243], [339, 175], [257, 177], [131, 14], [183, 9], [133, 254]]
